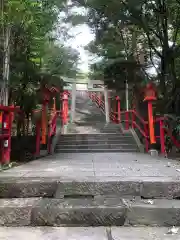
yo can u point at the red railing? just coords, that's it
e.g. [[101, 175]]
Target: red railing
[[130, 118], [133, 120], [5, 132], [99, 102]]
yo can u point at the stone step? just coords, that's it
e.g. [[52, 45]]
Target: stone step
[[51, 187], [100, 211], [88, 233], [99, 141], [121, 146], [95, 150], [95, 136]]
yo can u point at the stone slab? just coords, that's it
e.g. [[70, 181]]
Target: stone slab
[[75, 188], [153, 213], [39, 185], [88, 233], [31, 187], [160, 188], [78, 212], [16, 212], [143, 233], [52, 233], [100, 211]]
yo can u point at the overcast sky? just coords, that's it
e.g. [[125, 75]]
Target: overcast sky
[[83, 36]]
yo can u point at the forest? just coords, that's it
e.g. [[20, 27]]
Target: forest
[[138, 41], [33, 49], [134, 40]]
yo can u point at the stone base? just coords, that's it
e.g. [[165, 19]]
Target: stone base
[[103, 211], [144, 187]]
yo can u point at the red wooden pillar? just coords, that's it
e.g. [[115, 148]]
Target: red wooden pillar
[[65, 108], [149, 98], [6, 143]]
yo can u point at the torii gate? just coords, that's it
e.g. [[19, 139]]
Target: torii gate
[[90, 87]]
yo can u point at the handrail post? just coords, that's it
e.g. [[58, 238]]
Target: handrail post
[[162, 137]]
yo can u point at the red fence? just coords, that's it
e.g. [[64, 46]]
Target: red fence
[[131, 119], [7, 114]]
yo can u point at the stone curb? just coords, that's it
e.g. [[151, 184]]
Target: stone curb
[[145, 187], [88, 212]]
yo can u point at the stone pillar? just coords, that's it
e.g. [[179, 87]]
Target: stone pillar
[[106, 105], [73, 102]]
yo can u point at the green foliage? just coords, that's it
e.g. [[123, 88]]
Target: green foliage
[[144, 30], [33, 49], [60, 60]]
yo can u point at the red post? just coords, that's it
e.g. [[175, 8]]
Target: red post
[[118, 109], [6, 129], [150, 95], [65, 108], [162, 137], [127, 120], [151, 123]]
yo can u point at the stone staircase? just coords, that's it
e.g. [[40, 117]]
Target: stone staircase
[[98, 201], [107, 141], [92, 180]]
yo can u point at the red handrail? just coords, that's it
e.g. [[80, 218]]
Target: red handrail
[[134, 124], [129, 121]]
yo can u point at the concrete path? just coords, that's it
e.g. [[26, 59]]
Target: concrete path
[[99, 233], [92, 166]]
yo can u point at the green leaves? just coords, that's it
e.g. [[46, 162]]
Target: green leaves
[[33, 48]]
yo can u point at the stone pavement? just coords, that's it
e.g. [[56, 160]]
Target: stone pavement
[[91, 189], [99, 233], [92, 166]]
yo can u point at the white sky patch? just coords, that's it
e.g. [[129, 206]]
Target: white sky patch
[[82, 37]]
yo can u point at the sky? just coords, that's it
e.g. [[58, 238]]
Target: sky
[[83, 36]]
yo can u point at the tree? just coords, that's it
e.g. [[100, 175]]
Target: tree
[[61, 60], [32, 25], [155, 24]]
